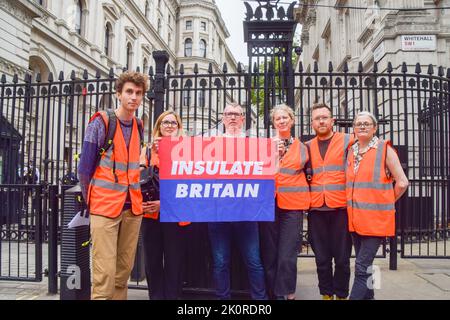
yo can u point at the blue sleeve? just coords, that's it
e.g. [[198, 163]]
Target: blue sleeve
[[93, 141]]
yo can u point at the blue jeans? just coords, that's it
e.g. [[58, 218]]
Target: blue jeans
[[366, 248], [246, 237]]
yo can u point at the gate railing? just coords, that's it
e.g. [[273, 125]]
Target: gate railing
[[42, 126]]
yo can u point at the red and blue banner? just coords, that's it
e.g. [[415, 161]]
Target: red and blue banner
[[217, 179]]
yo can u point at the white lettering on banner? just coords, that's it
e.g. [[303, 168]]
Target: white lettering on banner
[[216, 167], [228, 190]]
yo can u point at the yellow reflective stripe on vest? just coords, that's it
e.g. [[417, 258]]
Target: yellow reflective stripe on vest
[[135, 186], [370, 185], [371, 206], [328, 169], [122, 166], [378, 159], [109, 164], [293, 189], [346, 143], [302, 155], [290, 172], [328, 187], [109, 185], [133, 165]]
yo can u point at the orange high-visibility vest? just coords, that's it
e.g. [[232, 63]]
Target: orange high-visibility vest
[[154, 161], [328, 179], [116, 175], [291, 186], [370, 194]]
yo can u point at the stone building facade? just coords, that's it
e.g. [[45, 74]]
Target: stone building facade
[[374, 34], [52, 36]]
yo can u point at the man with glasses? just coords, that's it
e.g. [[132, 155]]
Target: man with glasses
[[245, 233], [327, 218]]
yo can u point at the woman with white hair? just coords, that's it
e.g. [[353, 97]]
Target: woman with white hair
[[375, 181]]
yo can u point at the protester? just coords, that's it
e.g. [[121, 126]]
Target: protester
[[280, 240], [327, 218], [109, 182], [163, 241], [373, 166], [245, 234]]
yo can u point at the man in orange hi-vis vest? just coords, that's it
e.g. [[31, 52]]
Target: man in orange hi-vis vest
[[327, 218], [109, 179]]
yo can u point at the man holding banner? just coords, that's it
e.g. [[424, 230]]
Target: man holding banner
[[227, 181], [245, 233]]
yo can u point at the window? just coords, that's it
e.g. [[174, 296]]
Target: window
[[169, 39], [145, 66], [78, 16], [202, 48], [159, 26], [189, 25], [129, 56], [159, 4], [108, 38], [188, 47], [170, 20], [203, 26], [147, 9], [186, 98], [201, 98]]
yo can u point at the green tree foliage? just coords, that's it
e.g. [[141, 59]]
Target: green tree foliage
[[272, 71]]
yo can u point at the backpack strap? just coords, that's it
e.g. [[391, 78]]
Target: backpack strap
[[110, 121], [141, 131], [110, 131], [308, 165]]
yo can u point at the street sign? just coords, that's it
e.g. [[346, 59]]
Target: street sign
[[419, 43], [379, 52]]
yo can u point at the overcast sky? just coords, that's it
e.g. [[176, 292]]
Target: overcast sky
[[233, 13]]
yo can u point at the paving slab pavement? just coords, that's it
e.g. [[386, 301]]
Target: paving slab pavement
[[415, 279]]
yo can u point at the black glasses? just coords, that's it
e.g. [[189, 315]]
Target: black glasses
[[167, 123], [232, 114], [363, 124]]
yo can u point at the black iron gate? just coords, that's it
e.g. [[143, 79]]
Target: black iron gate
[[42, 127]]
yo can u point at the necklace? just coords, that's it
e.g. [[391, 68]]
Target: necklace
[[287, 143]]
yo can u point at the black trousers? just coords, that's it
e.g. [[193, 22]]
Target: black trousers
[[330, 239], [164, 253], [280, 243]]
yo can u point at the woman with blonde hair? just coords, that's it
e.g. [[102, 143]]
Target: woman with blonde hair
[[280, 240], [163, 241]]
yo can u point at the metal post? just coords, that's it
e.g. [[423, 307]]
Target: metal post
[[393, 253], [161, 58], [53, 242]]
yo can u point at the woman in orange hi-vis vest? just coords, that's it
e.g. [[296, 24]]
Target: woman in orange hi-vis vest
[[163, 241], [280, 240], [375, 181]]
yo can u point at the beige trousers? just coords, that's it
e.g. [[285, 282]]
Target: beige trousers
[[114, 244]]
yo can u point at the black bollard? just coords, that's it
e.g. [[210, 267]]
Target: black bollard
[[75, 267]]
